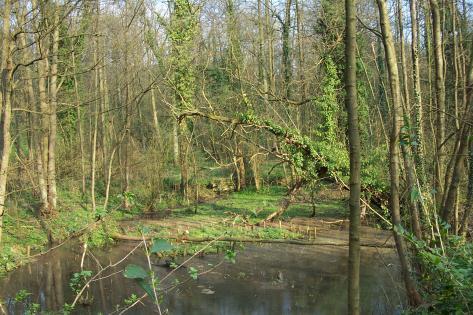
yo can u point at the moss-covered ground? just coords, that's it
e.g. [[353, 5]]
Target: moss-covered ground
[[232, 215]]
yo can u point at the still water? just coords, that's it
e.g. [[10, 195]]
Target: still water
[[266, 279]]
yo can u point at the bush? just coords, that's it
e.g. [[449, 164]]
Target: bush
[[447, 277]]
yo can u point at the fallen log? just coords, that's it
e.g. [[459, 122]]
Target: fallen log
[[121, 237], [283, 204]]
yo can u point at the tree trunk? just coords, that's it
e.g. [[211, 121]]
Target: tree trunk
[[286, 63], [394, 203], [5, 110], [440, 96], [417, 104], [270, 48], [355, 159], [43, 143], [52, 190], [469, 196], [79, 126]]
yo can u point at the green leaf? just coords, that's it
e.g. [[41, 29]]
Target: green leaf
[[230, 255], [415, 194], [160, 245], [146, 286], [193, 273], [145, 230], [135, 272]]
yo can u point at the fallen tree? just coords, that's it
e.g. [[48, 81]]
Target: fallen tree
[[301, 152], [122, 237]]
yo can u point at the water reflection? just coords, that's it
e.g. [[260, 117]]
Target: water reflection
[[269, 279]]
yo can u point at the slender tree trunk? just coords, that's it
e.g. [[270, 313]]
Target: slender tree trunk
[[440, 96], [300, 47], [105, 136], [270, 48], [451, 190], [286, 49], [155, 114], [5, 109], [417, 104], [79, 126], [43, 144], [127, 140], [355, 159], [405, 80], [30, 94], [52, 190], [469, 197], [394, 203], [405, 148]]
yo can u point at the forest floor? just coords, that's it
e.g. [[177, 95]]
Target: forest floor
[[233, 216]]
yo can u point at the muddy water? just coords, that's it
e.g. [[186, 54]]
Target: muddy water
[[267, 279]]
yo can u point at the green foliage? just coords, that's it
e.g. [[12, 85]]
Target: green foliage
[[327, 105], [22, 295], [230, 255], [330, 25], [182, 32], [133, 271], [8, 259], [100, 235], [160, 245], [130, 300], [79, 279], [373, 172], [142, 278], [363, 106], [447, 273], [448, 278], [33, 308], [67, 120], [193, 273], [308, 156]]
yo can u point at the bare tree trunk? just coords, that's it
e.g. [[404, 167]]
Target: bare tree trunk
[[175, 142], [469, 197], [270, 48], [52, 190], [104, 113], [155, 113], [94, 131], [31, 99], [355, 159], [412, 294], [287, 66], [43, 144], [303, 89], [405, 148], [127, 142], [79, 126], [451, 190], [417, 104], [440, 96], [5, 109], [262, 73]]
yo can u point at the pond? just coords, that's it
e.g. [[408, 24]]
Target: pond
[[266, 279]]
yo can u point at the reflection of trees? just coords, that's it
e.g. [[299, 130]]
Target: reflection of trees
[[54, 284]]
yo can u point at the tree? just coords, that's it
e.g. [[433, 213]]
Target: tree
[[6, 68], [394, 167], [355, 159], [183, 32]]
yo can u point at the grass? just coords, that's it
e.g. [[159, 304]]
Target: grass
[[25, 234], [232, 216], [256, 205]]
